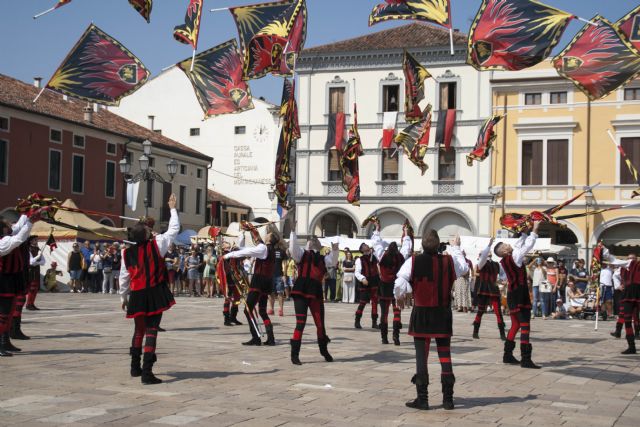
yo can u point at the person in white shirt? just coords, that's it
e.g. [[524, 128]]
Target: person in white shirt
[[487, 290], [144, 289], [368, 275], [36, 260], [606, 288]]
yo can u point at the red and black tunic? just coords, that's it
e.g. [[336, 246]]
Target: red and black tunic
[[12, 267], [432, 279], [34, 270], [390, 264], [518, 291], [631, 279], [369, 269], [262, 279], [311, 272], [487, 278], [148, 275]]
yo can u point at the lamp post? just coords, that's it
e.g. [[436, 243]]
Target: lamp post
[[272, 192], [146, 174], [588, 198]]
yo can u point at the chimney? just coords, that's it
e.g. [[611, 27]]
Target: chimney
[[37, 81], [151, 120], [88, 113]]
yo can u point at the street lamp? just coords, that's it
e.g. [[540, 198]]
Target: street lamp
[[272, 193], [146, 174]]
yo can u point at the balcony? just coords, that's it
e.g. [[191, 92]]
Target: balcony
[[334, 188], [390, 188], [447, 188]]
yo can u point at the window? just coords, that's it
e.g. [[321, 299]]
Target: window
[[532, 98], [448, 95], [110, 179], [532, 163], [447, 165], [199, 173], [389, 165], [553, 171], [152, 162], [183, 169], [557, 162], [165, 213], [77, 182], [55, 135], [225, 217], [198, 201], [558, 98], [78, 141], [4, 161], [631, 147], [149, 195], [4, 123], [55, 169], [390, 97], [111, 148], [194, 132], [336, 100], [240, 130], [334, 166], [183, 198], [158, 131], [632, 94]]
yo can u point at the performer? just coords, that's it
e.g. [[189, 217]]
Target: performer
[[391, 259], [261, 280], [144, 289], [487, 290], [631, 301], [618, 279], [307, 292], [369, 277], [430, 277], [227, 272], [36, 260], [518, 298]]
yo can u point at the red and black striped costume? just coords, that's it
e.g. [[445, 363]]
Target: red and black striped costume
[[390, 264], [12, 278], [488, 293], [21, 292], [369, 292], [34, 278], [260, 289], [518, 299], [227, 269], [631, 301]]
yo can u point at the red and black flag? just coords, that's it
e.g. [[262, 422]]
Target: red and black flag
[[59, 4], [514, 34], [143, 7], [434, 11], [414, 77], [271, 35], [99, 69], [188, 32], [335, 133], [217, 80], [444, 128], [629, 25], [289, 133], [414, 140], [349, 163], [51, 242], [598, 60], [485, 140]]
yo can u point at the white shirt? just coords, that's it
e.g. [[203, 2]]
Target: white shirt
[[617, 279], [330, 260], [522, 247], [162, 240], [606, 277], [36, 260], [379, 245], [261, 251], [484, 256], [19, 234]]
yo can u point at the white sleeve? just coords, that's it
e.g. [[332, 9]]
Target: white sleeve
[[606, 256], [9, 243], [358, 272], [261, 251], [521, 251], [377, 244], [402, 285], [18, 225], [294, 249], [123, 280], [405, 249], [36, 260], [484, 255], [617, 279], [459, 262], [241, 239], [331, 259], [165, 239]]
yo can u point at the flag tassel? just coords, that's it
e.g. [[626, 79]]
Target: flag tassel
[[44, 13]]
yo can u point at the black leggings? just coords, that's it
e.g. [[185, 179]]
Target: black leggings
[[261, 299], [146, 327], [6, 310], [443, 346], [301, 305]]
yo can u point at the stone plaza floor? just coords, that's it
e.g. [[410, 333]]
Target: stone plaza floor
[[75, 372]]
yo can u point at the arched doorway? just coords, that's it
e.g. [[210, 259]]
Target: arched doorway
[[564, 242], [622, 239], [335, 224], [447, 223]]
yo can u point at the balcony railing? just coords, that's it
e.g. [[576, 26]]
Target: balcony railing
[[447, 188]]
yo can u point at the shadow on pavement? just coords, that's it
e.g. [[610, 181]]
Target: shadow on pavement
[[100, 351], [195, 328], [69, 335], [472, 402], [381, 357], [204, 375]]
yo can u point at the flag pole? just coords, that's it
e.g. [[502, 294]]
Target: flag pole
[[220, 9], [44, 13], [39, 93], [451, 40], [193, 58], [595, 24]]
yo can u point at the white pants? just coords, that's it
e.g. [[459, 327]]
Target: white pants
[[349, 289]]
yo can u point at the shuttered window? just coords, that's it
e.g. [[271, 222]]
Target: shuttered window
[[334, 166], [447, 165], [557, 162], [448, 95], [532, 163], [631, 147], [336, 100], [390, 165]]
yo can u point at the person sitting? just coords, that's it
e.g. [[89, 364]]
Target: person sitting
[[50, 277], [575, 299], [560, 312]]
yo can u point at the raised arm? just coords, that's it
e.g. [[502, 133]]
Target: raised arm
[[165, 239], [402, 285], [459, 262], [9, 243], [520, 251], [405, 249], [484, 255], [18, 225], [331, 259], [294, 249], [377, 244], [261, 251], [36, 260]]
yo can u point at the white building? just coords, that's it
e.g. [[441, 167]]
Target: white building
[[243, 145], [451, 197]]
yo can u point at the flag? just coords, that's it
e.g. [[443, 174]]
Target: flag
[[335, 133], [188, 32], [414, 77], [629, 25], [485, 140], [217, 80], [132, 195], [271, 35], [349, 162], [444, 128], [289, 133], [414, 139], [51, 242], [598, 60], [435, 11], [282, 211], [61, 3], [596, 264], [143, 7], [99, 69], [214, 232], [389, 120], [514, 34]]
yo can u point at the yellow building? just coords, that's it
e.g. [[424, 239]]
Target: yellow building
[[553, 143]]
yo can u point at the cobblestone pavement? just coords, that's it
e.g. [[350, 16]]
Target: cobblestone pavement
[[75, 371]]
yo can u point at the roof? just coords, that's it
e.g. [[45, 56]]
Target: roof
[[17, 94], [409, 36], [214, 196]]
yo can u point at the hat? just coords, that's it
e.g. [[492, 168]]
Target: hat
[[550, 259]]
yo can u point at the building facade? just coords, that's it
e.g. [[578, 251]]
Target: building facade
[[451, 197], [553, 144]]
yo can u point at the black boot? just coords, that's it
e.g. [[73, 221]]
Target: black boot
[[4, 351], [147, 376], [503, 337], [16, 331], [618, 331], [136, 355], [396, 333], [322, 343], [227, 319], [525, 351], [447, 391], [271, 340], [507, 357], [255, 339], [632, 345], [7, 344], [476, 329], [234, 315], [357, 325], [637, 335], [295, 352], [384, 333], [422, 389], [374, 321]]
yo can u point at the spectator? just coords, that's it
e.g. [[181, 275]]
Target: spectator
[[606, 289], [75, 267], [549, 288], [462, 289], [87, 253], [560, 312], [51, 277], [107, 260], [348, 277], [290, 275], [538, 275], [562, 281], [192, 265], [181, 274], [171, 262], [330, 283], [209, 272], [200, 253], [280, 255], [575, 299], [95, 264], [580, 275], [117, 259]]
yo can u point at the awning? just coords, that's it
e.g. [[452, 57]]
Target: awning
[[627, 242]]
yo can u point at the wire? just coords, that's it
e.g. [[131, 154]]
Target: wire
[[264, 182]]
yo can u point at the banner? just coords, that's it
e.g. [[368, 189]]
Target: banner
[[629, 25], [414, 77], [349, 163], [434, 11], [289, 133], [414, 139], [485, 140], [189, 32], [444, 128], [143, 7], [335, 132], [389, 120]]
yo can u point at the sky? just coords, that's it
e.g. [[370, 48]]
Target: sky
[[30, 48]]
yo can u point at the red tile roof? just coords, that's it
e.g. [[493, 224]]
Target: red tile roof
[[20, 95], [413, 35], [214, 196]]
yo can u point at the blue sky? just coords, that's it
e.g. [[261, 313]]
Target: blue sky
[[31, 48]]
